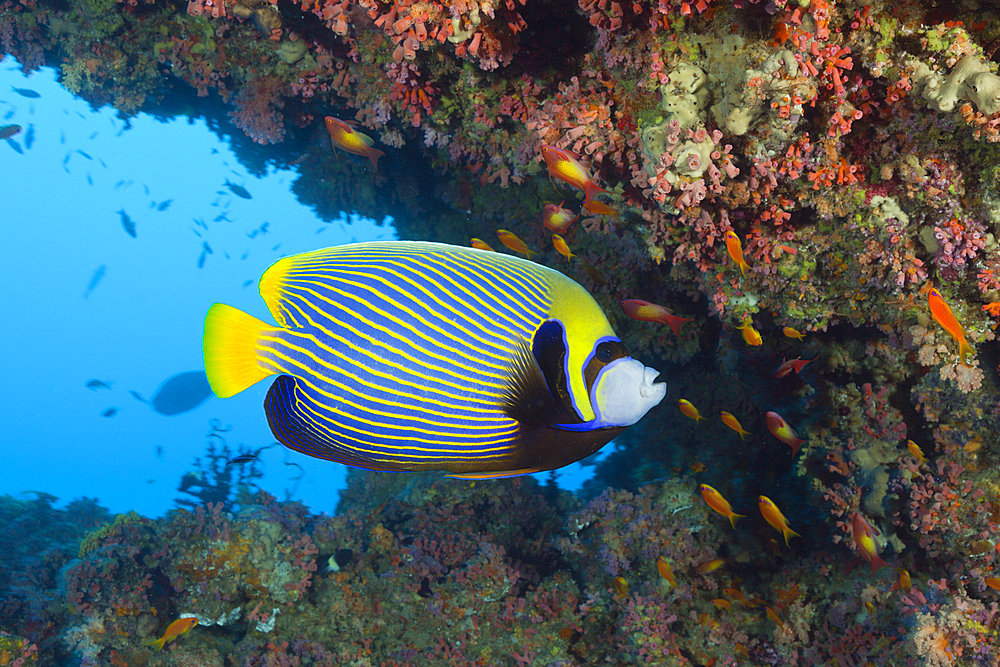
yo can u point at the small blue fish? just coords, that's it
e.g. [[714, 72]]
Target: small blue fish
[[110, 412], [16, 146], [127, 223], [137, 396], [206, 247], [238, 190], [164, 205], [221, 217], [84, 154], [201, 259], [247, 283], [26, 92], [94, 385], [94, 279], [29, 137]]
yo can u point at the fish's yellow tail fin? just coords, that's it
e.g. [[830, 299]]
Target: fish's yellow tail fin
[[230, 349]]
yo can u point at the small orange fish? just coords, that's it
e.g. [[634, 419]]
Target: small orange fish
[[780, 429], [733, 423], [561, 247], [343, 135], [667, 572], [722, 604], [511, 240], [719, 504], [750, 335], [644, 311], [621, 587], [943, 316], [904, 581], [786, 598], [992, 582], [737, 595], [557, 219], [697, 467], [565, 166], [773, 516], [774, 617], [711, 566], [864, 539], [689, 410], [792, 365], [175, 630], [735, 248], [480, 244], [792, 333], [916, 451]]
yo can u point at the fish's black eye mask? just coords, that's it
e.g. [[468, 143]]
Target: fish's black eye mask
[[605, 352]]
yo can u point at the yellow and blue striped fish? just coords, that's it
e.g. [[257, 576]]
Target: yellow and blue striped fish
[[399, 355]]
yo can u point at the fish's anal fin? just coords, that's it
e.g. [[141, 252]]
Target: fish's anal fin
[[498, 474], [230, 349], [293, 430]]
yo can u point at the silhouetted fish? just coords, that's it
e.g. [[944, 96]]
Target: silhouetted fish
[[127, 223], [29, 137], [201, 259], [16, 146], [181, 393], [137, 396], [242, 458], [95, 384], [238, 190], [164, 205], [84, 154], [110, 412], [26, 92], [94, 279]]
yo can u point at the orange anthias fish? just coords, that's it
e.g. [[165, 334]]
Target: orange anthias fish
[[916, 451], [620, 587], [511, 240], [667, 572], [561, 247], [719, 504], [792, 364], [480, 244], [864, 539], [565, 165], [943, 316], [792, 333], [175, 630], [992, 582], [644, 311], [711, 566], [343, 135], [750, 335], [557, 219], [773, 516], [687, 407], [733, 423], [735, 248], [780, 429]]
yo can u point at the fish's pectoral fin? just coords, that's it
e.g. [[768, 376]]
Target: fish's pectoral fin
[[291, 426], [527, 397], [230, 348]]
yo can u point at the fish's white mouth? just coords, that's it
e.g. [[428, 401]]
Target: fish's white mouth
[[625, 390], [649, 388]]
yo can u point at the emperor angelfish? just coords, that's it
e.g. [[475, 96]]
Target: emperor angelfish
[[398, 355]]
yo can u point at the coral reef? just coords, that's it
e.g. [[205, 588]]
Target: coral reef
[[852, 150]]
